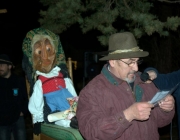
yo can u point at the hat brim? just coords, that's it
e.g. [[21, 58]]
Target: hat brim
[[5, 62], [124, 55]]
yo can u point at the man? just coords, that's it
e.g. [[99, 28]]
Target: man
[[13, 102], [114, 105]]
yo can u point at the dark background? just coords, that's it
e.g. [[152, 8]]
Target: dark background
[[22, 16]]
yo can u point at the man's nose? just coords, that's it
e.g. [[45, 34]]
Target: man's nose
[[135, 67]]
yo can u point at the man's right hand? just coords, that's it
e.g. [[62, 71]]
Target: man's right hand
[[138, 111]]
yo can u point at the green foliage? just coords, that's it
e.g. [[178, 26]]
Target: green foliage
[[172, 23], [101, 15], [60, 15]]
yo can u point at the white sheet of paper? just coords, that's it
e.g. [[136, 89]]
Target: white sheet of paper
[[159, 96], [162, 94]]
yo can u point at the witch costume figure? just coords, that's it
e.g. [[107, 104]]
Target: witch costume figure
[[50, 84]]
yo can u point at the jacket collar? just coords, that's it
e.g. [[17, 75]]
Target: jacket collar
[[113, 79], [109, 76]]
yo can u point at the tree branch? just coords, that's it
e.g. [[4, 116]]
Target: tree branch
[[125, 3], [169, 1]]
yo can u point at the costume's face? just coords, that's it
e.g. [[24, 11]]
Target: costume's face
[[124, 71], [43, 56], [5, 70]]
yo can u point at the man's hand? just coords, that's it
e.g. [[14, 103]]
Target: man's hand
[[167, 104], [152, 76], [148, 76], [138, 111]]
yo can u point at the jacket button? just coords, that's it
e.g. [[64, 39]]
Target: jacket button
[[120, 118]]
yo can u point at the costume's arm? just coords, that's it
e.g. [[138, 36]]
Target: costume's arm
[[166, 81], [36, 103], [70, 87]]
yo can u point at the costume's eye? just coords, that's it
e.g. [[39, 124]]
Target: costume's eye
[[38, 51], [48, 48]]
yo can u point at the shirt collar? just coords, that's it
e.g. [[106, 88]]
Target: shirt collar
[[52, 73]]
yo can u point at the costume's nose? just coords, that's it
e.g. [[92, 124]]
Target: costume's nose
[[44, 54]]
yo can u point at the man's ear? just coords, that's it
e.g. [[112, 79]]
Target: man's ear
[[10, 66], [112, 63]]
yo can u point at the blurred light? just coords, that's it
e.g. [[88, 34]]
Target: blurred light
[[2, 11]]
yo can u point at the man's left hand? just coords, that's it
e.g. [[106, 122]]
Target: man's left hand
[[167, 104]]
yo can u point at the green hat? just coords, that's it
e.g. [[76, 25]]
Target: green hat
[[121, 46]]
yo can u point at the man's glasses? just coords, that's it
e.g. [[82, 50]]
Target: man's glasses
[[132, 63]]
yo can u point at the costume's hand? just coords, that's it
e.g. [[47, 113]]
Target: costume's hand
[[138, 111], [167, 104], [74, 122], [37, 128]]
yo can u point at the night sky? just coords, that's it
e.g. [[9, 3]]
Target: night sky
[[21, 17]]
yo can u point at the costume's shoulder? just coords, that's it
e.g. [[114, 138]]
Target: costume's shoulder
[[64, 70]]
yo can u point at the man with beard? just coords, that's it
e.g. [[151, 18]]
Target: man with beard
[[114, 105], [13, 102]]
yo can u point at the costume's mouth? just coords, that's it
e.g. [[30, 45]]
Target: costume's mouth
[[46, 63]]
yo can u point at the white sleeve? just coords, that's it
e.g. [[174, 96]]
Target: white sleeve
[[70, 86], [36, 103], [65, 123]]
